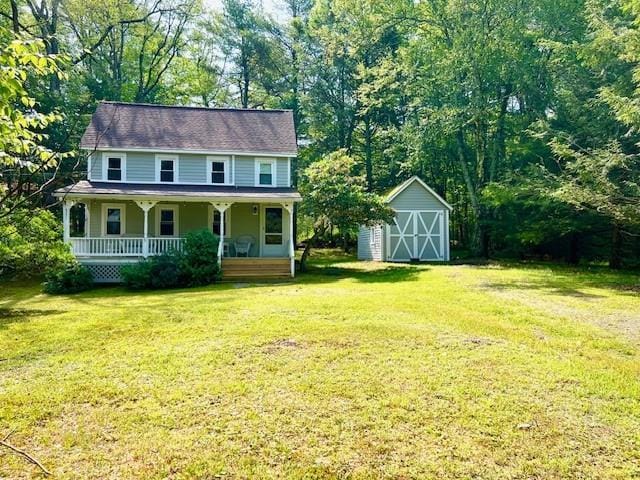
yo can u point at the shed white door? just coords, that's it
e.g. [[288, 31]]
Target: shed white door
[[416, 235]]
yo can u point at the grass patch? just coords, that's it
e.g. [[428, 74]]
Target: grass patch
[[357, 370]]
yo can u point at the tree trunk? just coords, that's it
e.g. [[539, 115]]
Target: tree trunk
[[307, 250], [476, 241], [615, 258], [15, 18], [573, 258], [368, 161]]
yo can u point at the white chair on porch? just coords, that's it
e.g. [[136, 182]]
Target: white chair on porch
[[242, 245]]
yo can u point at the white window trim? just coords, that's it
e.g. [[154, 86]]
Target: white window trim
[[105, 166], [227, 169], [176, 167], [176, 217], [372, 236], [274, 173], [288, 171], [89, 167], [227, 220], [123, 218]]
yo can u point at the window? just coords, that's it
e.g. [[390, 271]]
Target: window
[[265, 173], [215, 225], [113, 167], [167, 220], [113, 219], [372, 236], [273, 226], [166, 168], [219, 170]]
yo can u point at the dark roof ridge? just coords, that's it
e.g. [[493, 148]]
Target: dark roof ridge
[[197, 107]]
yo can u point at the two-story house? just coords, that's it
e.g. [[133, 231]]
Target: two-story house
[[156, 172]]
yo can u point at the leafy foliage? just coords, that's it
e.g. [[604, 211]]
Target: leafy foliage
[[196, 265], [30, 243], [161, 271], [70, 278], [336, 196], [200, 258], [23, 157]]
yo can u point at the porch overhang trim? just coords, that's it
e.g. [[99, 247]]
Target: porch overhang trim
[[176, 193]]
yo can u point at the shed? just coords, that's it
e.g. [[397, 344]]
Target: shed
[[420, 231]]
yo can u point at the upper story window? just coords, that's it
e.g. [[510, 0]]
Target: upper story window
[[219, 170], [265, 172], [114, 165], [166, 168]]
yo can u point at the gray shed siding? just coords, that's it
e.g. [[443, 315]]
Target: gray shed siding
[[415, 197], [371, 248], [192, 168], [424, 222]]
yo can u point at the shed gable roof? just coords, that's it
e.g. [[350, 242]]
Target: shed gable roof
[[124, 126], [403, 186]]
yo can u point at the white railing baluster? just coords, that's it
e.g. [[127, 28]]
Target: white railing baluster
[[122, 246]]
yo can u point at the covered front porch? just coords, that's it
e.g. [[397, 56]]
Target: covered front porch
[[257, 238]]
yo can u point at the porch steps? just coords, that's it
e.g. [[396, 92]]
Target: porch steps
[[237, 268]]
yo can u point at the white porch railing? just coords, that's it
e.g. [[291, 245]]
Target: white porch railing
[[123, 246]]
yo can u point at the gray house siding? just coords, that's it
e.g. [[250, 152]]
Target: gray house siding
[[95, 166], [245, 171], [141, 167], [192, 168], [282, 179]]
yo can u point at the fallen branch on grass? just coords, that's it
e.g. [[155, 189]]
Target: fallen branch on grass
[[4, 443]]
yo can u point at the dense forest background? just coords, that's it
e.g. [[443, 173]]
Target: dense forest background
[[522, 114]]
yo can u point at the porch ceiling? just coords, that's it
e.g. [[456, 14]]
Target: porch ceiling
[[181, 192]]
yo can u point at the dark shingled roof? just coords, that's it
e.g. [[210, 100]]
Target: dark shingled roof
[[212, 192], [134, 125]]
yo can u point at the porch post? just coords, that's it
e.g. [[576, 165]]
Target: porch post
[[292, 248], [145, 206], [87, 219], [221, 207], [66, 219]]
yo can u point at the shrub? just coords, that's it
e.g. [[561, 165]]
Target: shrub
[[162, 271], [31, 243], [137, 276], [70, 278], [196, 265], [200, 258]]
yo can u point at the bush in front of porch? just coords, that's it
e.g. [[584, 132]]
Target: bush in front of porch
[[196, 264]]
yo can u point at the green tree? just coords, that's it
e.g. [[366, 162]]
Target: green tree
[[26, 165], [335, 196]]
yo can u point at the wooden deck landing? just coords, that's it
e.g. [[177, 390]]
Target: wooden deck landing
[[254, 267]]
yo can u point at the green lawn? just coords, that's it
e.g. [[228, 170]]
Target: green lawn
[[354, 370]]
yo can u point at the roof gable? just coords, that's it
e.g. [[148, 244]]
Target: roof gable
[[415, 179], [136, 126]]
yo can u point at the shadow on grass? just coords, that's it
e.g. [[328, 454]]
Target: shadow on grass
[[18, 315], [565, 280], [389, 274]]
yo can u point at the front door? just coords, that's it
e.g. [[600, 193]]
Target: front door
[[272, 232]]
